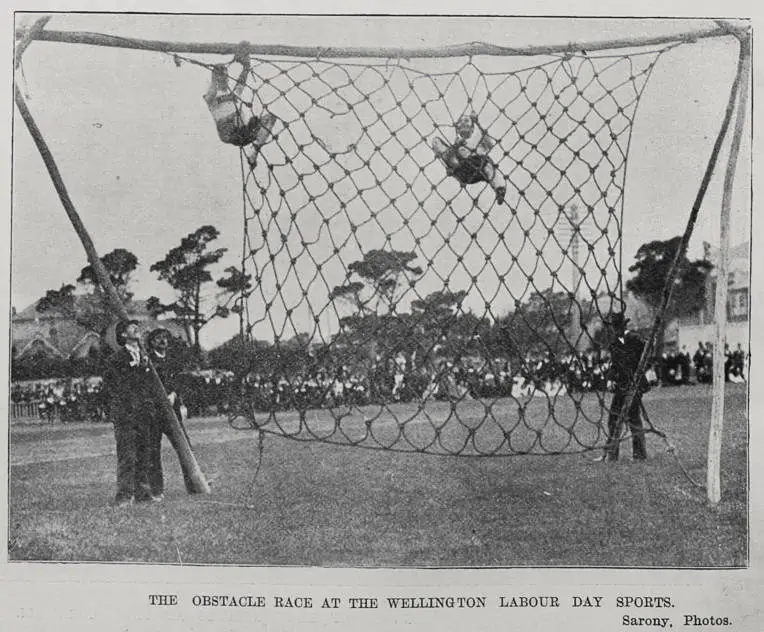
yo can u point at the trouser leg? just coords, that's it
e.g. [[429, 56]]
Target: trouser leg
[[496, 179], [614, 431], [143, 432], [639, 449], [124, 435]]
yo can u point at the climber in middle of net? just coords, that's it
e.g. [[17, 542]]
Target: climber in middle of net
[[467, 158], [236, 123]]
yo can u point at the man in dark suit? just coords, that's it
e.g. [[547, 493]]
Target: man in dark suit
[[625, 351], [167, 368], [128, 389]]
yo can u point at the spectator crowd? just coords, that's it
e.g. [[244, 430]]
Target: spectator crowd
[[64, 400], [397, 381], [213, 391]]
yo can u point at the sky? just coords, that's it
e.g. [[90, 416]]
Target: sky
[[144, 167]]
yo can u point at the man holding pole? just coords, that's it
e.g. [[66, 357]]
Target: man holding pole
[[625, 352], [127, 385], [196, 475], [158, 343]]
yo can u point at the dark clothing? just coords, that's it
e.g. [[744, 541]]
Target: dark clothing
[[132, 437], [633, 419], [231, 130], [471, 170], [128, 390], [685, 362], [160, 426], [625, 353], [125, 384]]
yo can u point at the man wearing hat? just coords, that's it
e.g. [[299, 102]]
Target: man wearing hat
[[127, 387], [158, 343], [625, 352]]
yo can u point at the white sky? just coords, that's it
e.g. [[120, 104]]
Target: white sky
[[140, 156]]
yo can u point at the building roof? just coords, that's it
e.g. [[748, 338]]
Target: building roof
[[39, 343], [136, 308], [59, 335]]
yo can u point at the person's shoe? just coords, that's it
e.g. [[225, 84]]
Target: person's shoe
[[500, 193], [157, 498], [124, 502]]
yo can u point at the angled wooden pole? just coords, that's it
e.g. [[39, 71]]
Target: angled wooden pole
[[185, 454], [713, 472]]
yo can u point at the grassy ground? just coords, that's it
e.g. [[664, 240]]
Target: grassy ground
[[322, 505]]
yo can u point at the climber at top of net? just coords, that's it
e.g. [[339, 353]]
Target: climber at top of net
[[235, 120], [467, 158]]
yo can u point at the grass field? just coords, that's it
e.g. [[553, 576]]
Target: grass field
[[323, 505]]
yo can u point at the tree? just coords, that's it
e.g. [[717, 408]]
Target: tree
[[653, 263], [371, 288], [541, 324], [438, 324], [351, 293], [120, 265], [236, 286], [380, 272], [90, 308], [242, 356], [186, 270], [62, 300]]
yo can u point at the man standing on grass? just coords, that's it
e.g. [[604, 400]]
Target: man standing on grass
[[625, 352], [127, 384], [160, 354]]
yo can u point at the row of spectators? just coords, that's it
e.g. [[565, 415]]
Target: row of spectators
[[82, 399], [213, 391], [542, 374], [65, 400], [679, 368]]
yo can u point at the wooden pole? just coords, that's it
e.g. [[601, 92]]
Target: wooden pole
[[196, 476], [314, 52], [713, 473]]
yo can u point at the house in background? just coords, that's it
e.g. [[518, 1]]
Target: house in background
[[54, 335], [687, 332], [700, 328]]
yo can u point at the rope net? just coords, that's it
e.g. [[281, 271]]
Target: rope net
[[433, 246]]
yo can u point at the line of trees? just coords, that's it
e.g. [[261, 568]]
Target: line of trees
[[373, 323], [188, 270]]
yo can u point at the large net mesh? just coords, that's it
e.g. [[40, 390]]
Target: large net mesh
[[400, 304]]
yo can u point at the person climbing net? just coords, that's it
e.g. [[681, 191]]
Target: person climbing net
[[235, 120], [467, 158]]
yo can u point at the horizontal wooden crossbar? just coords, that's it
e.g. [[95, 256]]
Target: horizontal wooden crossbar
[[456, 50]]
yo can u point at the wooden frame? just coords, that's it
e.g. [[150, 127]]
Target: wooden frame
[[737, 101]]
